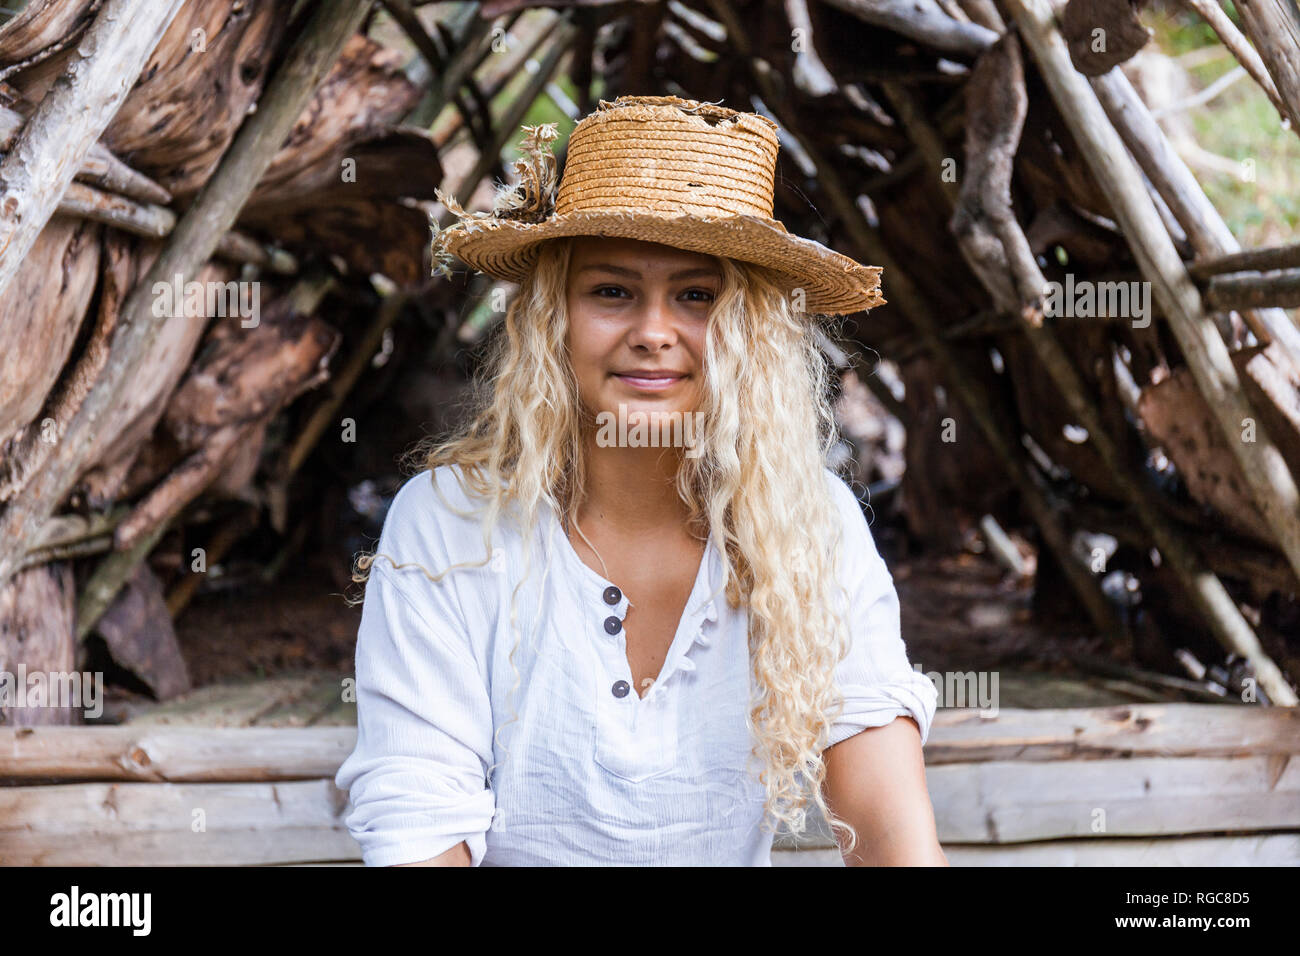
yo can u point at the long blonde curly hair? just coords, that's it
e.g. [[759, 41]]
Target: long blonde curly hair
[[758, 481]]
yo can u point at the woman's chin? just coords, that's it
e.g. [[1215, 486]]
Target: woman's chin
[[646, 424]]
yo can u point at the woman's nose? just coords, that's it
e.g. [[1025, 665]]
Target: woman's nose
[[653, 326]]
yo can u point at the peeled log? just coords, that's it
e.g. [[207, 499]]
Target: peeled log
[[40, 316], [180, 118], [37, 612], [1181, 421], [168, 355]]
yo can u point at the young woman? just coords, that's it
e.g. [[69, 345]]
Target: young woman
[[593, 634]]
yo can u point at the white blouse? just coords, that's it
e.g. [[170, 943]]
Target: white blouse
[[589, 773]]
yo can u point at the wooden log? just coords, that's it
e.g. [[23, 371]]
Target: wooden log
[[174, 755], [202, 80], [1272, 485], [138, 632], [36, 608], [146, 219], [995, 803], [191, 824], [1004, 801], [1271, 289], [38, 310], [1262, 570], [59, 135], [1274, 849], [190, 244], [39, 30], [100, 167], [1249, 260], [921, 20], [183, 753], [962, 735], [997, 249]]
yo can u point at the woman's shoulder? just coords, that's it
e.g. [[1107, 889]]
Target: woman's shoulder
[[434, 517], [848, 500]]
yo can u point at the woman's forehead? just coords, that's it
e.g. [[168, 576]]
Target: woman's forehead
[[633, 252]]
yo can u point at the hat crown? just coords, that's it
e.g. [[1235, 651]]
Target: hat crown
[[670, 155]]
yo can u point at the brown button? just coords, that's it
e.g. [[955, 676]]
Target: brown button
[[613, 625], [620, 688], [613, 595]]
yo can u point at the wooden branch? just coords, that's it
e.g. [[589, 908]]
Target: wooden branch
[[921, 20], [471, 48], [1246, 54], [215, 551], [809, 73], [1208, 234], [404, 16], [563, 32], [928, 141], [1274, 28], [995, 245], [100, 167], [33, 446], [1271, 289], [57, 138], [1261, 569], [99, 591], [1250, 260], [145, 219], [908, 297], [191, 243], [182, 484], [1273, 488]]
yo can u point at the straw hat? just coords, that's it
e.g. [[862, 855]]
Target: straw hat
[[687, 174]]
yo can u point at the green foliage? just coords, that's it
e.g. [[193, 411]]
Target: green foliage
[[1240, 124]]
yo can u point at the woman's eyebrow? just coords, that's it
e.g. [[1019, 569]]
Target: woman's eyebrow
[[697, 272]]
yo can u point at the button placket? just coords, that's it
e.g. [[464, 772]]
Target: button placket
[[636, 738]]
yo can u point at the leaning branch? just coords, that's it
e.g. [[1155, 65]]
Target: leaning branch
[[191, 243], [63, 129], [1272, 486]]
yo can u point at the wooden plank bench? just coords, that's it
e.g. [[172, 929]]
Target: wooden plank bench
[[1138, 784]]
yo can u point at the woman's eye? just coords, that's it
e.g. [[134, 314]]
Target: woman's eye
[[707, 295], [607, 288]]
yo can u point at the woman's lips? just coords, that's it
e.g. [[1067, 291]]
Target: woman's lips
[[657, 383]]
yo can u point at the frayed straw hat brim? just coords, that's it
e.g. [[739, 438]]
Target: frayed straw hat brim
[[683, 173], [833, 284]]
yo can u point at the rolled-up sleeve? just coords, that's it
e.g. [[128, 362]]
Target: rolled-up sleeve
[[418, 776], [875, 678]]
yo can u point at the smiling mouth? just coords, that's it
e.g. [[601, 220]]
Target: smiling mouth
[[650, 381]]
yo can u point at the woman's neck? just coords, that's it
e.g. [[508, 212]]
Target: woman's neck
[[631, 491]]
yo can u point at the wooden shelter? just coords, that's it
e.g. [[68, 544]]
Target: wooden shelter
[[1077, 346]]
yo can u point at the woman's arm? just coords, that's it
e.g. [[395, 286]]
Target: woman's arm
[[875, 781], [456, 856]]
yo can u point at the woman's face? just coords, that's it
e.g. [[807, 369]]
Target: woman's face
[[637, 317]]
